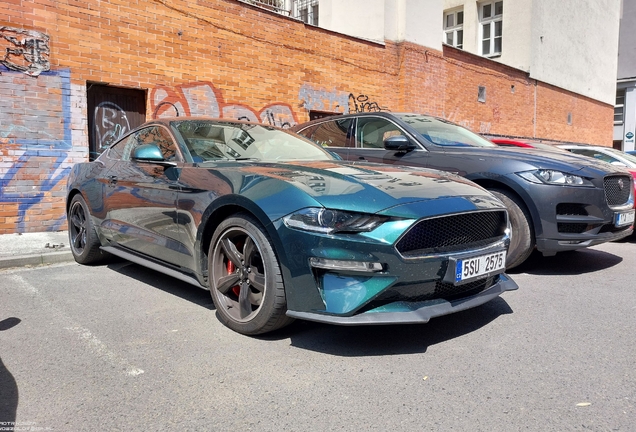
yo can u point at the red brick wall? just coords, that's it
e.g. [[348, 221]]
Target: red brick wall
[[225, 58]]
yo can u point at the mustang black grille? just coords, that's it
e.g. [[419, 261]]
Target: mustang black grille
[[451, 233], [430, 291], [617, 189]]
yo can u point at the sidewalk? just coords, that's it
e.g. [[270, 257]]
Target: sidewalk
[[31, 249]]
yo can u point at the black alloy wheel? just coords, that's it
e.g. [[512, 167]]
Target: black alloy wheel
[[245, 279], [82, 236]]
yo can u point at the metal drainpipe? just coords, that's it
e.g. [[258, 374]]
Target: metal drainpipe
[[534, 120]]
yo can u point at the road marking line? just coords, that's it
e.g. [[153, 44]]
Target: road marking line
[[97, 347]]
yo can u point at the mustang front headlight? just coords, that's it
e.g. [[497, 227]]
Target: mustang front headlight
[[331, 221], [554, 177]]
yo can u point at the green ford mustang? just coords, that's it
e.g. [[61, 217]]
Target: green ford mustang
[[278, 228]]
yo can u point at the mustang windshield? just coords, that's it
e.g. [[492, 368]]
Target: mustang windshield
[[209, 140], [444, 133]]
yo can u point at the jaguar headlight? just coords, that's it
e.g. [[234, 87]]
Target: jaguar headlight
[[331, 221], [554, 177]]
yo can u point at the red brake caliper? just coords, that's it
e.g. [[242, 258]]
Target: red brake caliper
[[230, 269]]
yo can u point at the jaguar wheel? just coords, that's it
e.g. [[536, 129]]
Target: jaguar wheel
[[522, 241], [245, 279], [81, 232]]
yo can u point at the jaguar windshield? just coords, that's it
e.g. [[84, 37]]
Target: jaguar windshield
[[444, 133]]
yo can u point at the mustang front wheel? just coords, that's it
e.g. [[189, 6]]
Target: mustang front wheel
[[245, 278]]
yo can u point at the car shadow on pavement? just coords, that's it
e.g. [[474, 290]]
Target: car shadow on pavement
[[357, 341], [8, 385], [581, 261], [347, 341], [168, 284]]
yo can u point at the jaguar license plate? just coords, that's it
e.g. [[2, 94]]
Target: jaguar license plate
[[624, 218], [474, 267]]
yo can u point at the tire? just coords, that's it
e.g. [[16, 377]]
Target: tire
[[245, 278], [522, 240], [81, 233]]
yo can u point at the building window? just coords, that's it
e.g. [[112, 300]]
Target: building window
[[454, 28], [306, 11], [490, 20], [619, 107], [277, 6], [481, 94]]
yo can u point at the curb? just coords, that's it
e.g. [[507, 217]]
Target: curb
[[36, 259]]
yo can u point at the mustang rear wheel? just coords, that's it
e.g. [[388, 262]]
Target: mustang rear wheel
[[522, 236], [245, 278], [81, 232]]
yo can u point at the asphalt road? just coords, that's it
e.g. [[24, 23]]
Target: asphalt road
[[118, 347]]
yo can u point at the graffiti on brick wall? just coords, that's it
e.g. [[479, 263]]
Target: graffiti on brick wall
[[361, 103], [203, 99], [35, 148], [319, 99], [25, 51], [111, 123]]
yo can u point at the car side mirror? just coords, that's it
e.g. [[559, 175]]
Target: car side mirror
[[399, 143], [150, 153]]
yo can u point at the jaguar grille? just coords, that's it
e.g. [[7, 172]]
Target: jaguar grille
[[617, 189]]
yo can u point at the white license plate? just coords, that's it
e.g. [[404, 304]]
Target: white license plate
[[624, 218], [472, 268]]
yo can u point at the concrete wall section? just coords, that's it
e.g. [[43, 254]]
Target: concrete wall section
[[627, 41], [414, 21], [517, 31], [359, 18], [423, 23], [576, 49]]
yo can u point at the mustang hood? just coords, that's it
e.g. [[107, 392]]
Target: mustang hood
[[367, 188]]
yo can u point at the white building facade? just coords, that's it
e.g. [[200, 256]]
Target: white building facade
[[625, 108]]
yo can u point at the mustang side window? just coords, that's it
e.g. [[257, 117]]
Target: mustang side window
[[160, 137], [120, 149], [153, 135], [373, 131]]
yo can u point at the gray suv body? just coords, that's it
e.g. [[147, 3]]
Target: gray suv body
[[556, 201]]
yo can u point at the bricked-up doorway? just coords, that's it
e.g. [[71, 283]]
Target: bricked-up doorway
[[313, 115], [112, 112]]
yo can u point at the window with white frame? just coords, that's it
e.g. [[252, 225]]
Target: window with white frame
[[278, 6], [306, 11], [619, 107], [454, 28], [490, 20]]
